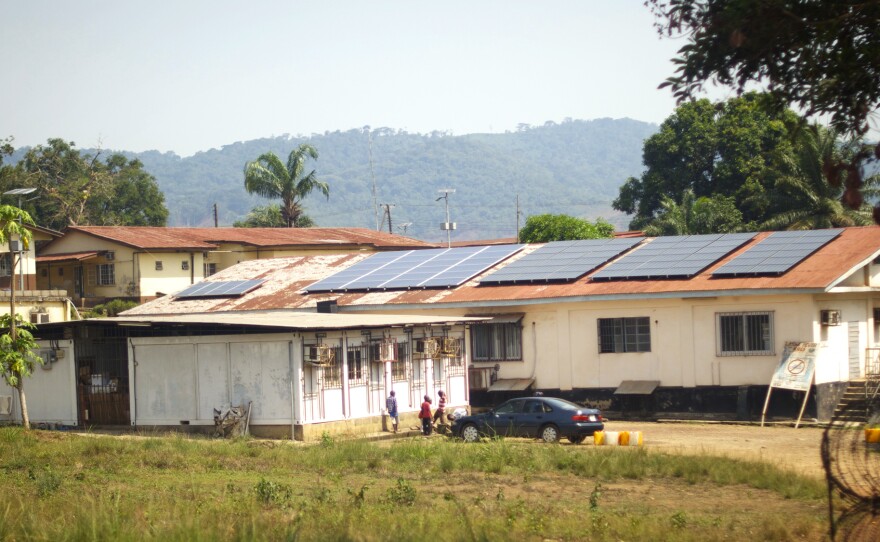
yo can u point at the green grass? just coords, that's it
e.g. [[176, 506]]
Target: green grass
[[68, 487]]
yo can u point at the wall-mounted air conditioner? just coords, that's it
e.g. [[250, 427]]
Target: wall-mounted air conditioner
[[829, 317], [39, 317]]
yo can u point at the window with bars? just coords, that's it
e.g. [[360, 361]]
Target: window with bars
[[496, 342], [618, 335], [400, 367], [332, 374], [744, 333], [358, 365], [210, 269], [6, 265], [106, 274], [158, 265]]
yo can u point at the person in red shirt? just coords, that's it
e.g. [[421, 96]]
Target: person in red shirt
[[425, 416]]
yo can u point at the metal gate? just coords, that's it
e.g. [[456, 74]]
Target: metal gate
[[102, 376]]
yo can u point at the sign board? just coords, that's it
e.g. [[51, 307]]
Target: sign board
[[796, 368], [794, 372]]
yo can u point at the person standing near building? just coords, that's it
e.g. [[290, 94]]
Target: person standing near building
[[425, 416], [440, 413], [391, 406]]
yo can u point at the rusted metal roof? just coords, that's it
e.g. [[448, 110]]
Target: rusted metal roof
[[69, 257], [157, 238], [286, 278]]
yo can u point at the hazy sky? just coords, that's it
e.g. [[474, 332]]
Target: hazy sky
[[188, 75]]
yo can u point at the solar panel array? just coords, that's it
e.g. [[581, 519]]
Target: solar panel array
[[561, 261], [776, 253], [219, 288], [671, 257], [430, 268]]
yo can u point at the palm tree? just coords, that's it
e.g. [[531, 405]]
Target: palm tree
[[268, 176], [809, 198], [693, 216], [15, 362]]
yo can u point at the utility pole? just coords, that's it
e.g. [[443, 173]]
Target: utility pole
[[448, 226], [388, 207], [373, 176], [215, 215], [517, 218], [404, 226]]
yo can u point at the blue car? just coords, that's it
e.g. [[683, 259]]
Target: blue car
[[547, 418]]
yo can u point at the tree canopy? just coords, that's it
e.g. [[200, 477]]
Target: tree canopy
[[733, 149], [823, 57], [695, 216], [268, 177], [80, 189], [549, 227]]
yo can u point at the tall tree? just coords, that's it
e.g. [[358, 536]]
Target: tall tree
[[80, 189], [810, 195], [822, 56], [548, 227], [734, 149], [267, 176], [16, 346], [695, 216]]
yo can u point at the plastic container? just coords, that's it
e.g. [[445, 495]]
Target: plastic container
[[599, 438], [872, 435], [611, 438], [623, 438], [635, 438]]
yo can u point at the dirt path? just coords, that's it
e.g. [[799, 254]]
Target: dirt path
[[794, 449]]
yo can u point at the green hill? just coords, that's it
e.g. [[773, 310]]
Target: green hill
[[574, 167]]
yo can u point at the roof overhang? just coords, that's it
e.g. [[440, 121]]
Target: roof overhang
[[69, 257], [637, 387], [293, 320], [511, 384]]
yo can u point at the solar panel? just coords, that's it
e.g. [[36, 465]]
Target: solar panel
[[673, 257], [776, 253], [219, 288], [561, 261], [430, 268]]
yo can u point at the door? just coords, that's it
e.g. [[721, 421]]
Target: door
[[506, 420], [78, 282], [533, 417], [855, 369]]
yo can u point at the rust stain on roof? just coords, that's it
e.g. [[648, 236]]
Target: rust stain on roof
[[149, 237], [287, 277]]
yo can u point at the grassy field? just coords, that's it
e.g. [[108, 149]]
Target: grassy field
[[59, 486]]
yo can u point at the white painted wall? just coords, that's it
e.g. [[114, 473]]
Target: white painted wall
[[50, 393]]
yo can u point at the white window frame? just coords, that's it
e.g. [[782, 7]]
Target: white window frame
[[746, 349], [105, 274]]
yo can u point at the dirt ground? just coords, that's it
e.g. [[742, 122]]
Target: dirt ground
[[794, 449]]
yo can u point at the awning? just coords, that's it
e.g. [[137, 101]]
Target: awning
[[512, 384], [508, 318], [69, 257], [637, 387]]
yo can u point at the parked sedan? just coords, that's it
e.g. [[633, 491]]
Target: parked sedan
[[547, 418]]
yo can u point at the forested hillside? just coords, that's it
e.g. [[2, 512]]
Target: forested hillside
[[575, 167]]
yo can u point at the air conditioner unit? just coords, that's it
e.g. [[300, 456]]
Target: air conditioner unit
[[450, 347], [427, 348], [829, 317], [321, 355], [388, 351], [110, 255]]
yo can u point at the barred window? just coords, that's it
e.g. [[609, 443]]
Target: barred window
[[624, 335], [496, 342], [210, 269], [106, 274], [744, 333], [6, 265], [358, 365], [399, 368]]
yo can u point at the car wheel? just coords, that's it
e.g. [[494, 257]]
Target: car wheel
[[550, 433], [576, 440], [470, 433]]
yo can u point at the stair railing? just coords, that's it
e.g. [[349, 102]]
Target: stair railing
[[872, 372]]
